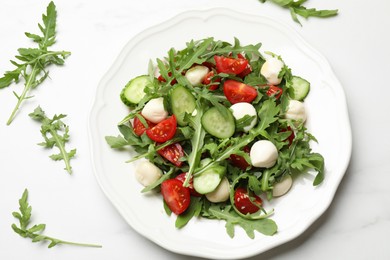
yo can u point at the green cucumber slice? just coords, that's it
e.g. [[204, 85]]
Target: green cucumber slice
[[209, 180], [133, 92], [217, 124], [299, 88], [182, 101]]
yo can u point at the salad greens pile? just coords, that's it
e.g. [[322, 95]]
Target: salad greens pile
[[198, 147]]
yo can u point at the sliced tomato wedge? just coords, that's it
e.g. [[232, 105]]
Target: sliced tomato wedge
[[236, 91], [274, 91], [247, 70], [230, 65], [175, 195], [239, 161], [208, 80], [245, 203], [163, 131], [139, 128], [172, 153], [162, 79], [182, 177]]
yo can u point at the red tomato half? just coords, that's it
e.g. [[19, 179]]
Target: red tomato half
[[163, 131], [182, 177], [236, 91], [230, 65], [274, 91], [139, 128], [172, 153], [175, 195], [239, 161], [243, 202]]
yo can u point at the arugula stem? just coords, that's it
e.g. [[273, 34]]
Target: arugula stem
[[27, 86], [75, 243], [60, 146]]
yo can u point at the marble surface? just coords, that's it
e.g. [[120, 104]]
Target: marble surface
[[355, 226]]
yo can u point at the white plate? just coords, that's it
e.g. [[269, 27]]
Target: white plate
[[294, 213]]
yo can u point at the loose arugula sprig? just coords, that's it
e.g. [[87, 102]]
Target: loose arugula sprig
[[296, 8], [51, 131], [35, 60], [34, 232]]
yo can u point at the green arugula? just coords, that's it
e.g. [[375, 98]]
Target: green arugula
[[35, 60], [51, 130], [296, 8], [35, 232]]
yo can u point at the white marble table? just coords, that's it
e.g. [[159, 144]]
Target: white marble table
[[356, 225]]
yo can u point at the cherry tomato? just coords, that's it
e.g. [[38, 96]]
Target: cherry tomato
[[239, 161], [139, 128], [236, 91], [163, 131], [230, 65], [274, 91], [248, 68], [172, 153], [243, 202], [291, 137], [182, 177], [208, 80], [161, 79], [175, 195]]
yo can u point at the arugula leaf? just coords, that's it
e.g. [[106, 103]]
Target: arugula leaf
[[34, 232], [35, 60], [265, 226], [296, 8], [193, 211], [51, 131]]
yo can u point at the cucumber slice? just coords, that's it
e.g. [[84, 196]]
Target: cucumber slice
[[133, 92], [182, 101], [209, 180], [299, 89], [217, 124]]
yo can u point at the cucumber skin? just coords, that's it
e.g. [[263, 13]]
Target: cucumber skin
[[123, 97], [301, 90], [177, 96], [207, 121]]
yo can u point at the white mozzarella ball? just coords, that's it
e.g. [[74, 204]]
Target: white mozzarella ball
[[242, 109], [154, 110], [147, 173], [221, 193], [196, 74], [282, 187], [296, 111], [263, 153], [271, 69]]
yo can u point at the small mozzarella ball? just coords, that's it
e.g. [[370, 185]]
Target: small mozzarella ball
[[154, 110], [271, 69], [281, 188], [242, 109], [147, 173], [221, 193], [196, 74], [263, 154], [296, 111]]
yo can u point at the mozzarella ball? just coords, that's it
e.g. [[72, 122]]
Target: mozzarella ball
[[296, 111], [242, 109], [196, 74], [154, 110], [271, 69], [282, 187], [263, 154], [147, 173], [221, 193]]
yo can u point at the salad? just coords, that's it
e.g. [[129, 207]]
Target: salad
[[219, 128]]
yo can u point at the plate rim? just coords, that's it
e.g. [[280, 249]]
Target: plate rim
[[98, 104]]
